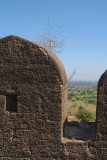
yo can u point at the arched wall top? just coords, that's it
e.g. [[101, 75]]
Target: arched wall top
[[102, 83], [103, 78], [55, 60]]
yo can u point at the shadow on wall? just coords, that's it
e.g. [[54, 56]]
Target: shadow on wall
[[79, 130]]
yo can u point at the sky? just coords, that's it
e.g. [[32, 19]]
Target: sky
[[83, 24]]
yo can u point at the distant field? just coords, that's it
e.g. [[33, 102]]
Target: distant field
[[82, 95], [73, 106]]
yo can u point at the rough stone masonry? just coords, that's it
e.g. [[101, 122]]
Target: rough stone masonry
[[33, 107]]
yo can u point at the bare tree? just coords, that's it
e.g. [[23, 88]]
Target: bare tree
[[52, 40]]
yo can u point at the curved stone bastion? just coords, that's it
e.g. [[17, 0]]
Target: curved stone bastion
[[33, 107]]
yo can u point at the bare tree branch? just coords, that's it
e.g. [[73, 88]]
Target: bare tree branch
[[71, 75]]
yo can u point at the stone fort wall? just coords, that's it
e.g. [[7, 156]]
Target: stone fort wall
[[33, 107]]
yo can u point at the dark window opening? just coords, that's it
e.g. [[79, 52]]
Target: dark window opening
[[11, 103]]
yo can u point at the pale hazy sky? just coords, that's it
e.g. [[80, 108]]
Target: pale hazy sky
[[83, 22]]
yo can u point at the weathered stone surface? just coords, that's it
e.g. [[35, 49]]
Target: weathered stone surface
[[102, 105], [38, 79]]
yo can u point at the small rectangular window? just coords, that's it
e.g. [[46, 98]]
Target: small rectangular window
[[11, 103]]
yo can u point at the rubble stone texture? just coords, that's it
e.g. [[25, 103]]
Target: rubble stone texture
[[33, 107]]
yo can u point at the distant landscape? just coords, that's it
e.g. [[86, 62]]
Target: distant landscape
[[82, 95]]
